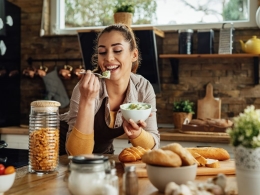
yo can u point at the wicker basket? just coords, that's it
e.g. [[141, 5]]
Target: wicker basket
[[123, 17]]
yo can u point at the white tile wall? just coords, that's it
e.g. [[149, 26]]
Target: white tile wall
[[16, 141]]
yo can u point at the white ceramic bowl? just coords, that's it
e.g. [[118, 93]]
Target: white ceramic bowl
[[160, 176], [135, 115], [6, 182]]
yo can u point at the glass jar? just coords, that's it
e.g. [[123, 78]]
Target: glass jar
[[44, 127], [112, 179], [88, 175]]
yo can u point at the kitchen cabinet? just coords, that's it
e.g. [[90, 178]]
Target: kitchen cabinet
[[146, 36], [10, 41], [174, 60]]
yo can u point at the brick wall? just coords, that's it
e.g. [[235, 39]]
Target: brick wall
[[232, 79]]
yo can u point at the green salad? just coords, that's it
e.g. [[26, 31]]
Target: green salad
[[106, 74], [135, 106]]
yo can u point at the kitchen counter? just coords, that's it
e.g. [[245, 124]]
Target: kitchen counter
[[56, 183], [166, 134]]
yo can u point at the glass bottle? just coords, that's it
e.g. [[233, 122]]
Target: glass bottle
[[44, 136], [130, 181], [112, 179]]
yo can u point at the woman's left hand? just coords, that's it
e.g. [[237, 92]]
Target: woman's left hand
[[132, 129]]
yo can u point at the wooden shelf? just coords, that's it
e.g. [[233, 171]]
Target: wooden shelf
[[174, 59]]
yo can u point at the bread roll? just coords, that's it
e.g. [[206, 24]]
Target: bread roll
[[211, 152], [131, 154], [186, 157], [162, 158]]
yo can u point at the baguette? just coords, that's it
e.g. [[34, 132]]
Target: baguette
[[212, 163], [211, 152], [131, 154], [162, 157], [201, 160]]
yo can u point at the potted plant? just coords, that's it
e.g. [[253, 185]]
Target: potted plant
[[182, 112], [123, 13], [245, 139]]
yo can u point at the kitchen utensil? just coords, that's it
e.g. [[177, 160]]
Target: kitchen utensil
[[78, 71], [258, 17], [209, 107], [3, 160], [252, 46], [29, 71], [65, 72], [226, 37], [6, 182], [205, 41], [3, 144], [160, 176], [99, 75], [136, 114], [42, 71], [186, 41], [226, 167]]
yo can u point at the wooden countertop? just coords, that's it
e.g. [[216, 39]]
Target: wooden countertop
[[56, 183], [166, 134]]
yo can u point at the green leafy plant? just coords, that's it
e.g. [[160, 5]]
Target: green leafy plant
[[246, 129], [124, 7], [183, 106]]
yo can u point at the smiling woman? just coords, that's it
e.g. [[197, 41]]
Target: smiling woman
[[67, 16]]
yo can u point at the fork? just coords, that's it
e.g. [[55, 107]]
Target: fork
[[99, 75]]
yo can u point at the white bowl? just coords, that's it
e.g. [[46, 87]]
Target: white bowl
[[135, 115], [160, 176], [6, 182]]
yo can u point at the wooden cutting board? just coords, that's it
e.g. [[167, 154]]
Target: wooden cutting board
[[226, 167], [209, 107]]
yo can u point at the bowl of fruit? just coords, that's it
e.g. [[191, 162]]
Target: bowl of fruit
[[7, 177]]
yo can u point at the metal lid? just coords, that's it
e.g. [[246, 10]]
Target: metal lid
[[45, 103], [186, 30], [89, 159], [130, 169]]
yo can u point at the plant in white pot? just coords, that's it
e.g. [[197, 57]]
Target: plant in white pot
[[245, 138], [182, 113], [123, 13]]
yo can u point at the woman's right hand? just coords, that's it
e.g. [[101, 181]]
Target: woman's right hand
[[89, 86]]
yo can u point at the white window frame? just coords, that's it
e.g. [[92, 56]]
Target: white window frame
[[57, 21]]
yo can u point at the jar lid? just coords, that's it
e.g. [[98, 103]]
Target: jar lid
[[45, 103], [89, 159]]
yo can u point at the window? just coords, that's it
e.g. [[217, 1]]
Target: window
[[69, 15]]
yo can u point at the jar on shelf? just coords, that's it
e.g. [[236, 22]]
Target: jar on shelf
[[88, 175], [44, 124]]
